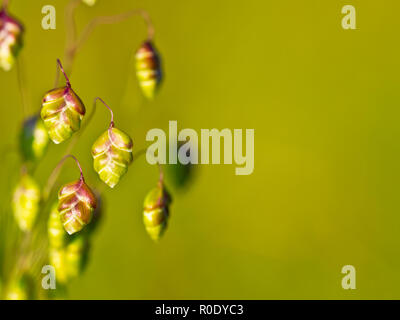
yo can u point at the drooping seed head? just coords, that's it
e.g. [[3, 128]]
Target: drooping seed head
[[112, 154], [11, 32], [25, 202], [148, 69], [62, 113], [56, 233], [33, 139], [156, 211], [76, 203]]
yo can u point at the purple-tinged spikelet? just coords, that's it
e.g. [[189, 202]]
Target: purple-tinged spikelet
[[156, 211], [11, 32], [62, 113], [112, 152], [76, 203], [148, 69]]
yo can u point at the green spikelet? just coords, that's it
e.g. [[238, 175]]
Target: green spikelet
[[76, 203], [70, 260], [148, 69], [112, 154], [90, 2], [56, 233], [21, 288], [33, 139], [62, 113], [11, 32], [25, 202], [156, 211], [58, 261], [76, 254], [68, 254]]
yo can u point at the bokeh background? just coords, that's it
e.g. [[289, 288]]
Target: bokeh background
[[324, 103]]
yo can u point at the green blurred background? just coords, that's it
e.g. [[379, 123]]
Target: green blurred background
[[324, 103]]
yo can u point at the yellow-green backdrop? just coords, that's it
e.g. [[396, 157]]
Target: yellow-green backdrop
[[324, 103]]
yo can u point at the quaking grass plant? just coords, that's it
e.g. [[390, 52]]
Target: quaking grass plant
[[35, 228]]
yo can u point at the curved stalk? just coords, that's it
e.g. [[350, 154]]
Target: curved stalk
[[55, 173], [64, 73], [71, 32], [112, 113], [60, 67], [73, 49]]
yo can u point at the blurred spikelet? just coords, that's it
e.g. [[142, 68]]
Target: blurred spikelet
[[156, 211], [76, 255], [56, 233], [90, 2], [11, 32], [20, 288], [58, 261], [148, 69], [33, 139], [25, 202]]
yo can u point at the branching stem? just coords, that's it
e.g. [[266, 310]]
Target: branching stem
[[110, 20]]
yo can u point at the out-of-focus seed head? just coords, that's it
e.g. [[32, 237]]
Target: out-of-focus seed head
[[58, 261], [70, 260], [25, 202], [76, 255], [76, 203], [62, 113], [148, 69], [112, 154], [90, 2], [56, 233], [33, 139], [156, 211], [21, 288], [11, 33]]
